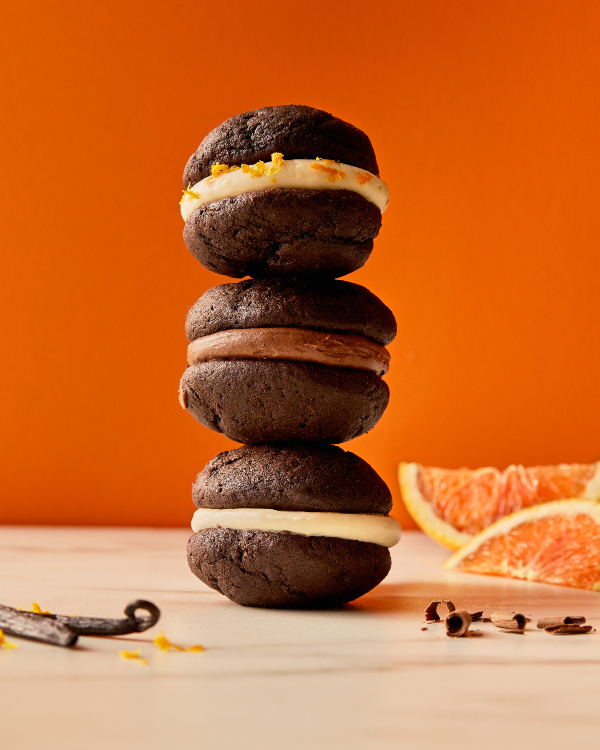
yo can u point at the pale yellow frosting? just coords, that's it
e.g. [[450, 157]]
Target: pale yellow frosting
[[361, 527], [293, 173]]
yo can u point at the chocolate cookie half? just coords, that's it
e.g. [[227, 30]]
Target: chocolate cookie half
[[276, 363], [283, 191], [294, 129], [300, 477], [275, 528]]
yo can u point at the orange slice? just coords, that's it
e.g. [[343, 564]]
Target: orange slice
[[556, 542], [452, 505]]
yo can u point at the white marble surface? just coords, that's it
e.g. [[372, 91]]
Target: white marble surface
[[363, 676]]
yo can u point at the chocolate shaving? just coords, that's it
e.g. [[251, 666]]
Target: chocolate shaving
[[508, 621], [457, 623], [569, 629], [63, 630], [431, 613], [477, 617], [555, 622]]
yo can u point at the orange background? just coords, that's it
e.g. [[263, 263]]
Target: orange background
[[485, 119]]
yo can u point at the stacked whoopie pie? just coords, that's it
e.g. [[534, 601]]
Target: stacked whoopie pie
[[289, 362]]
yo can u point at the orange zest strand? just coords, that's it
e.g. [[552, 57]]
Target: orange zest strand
[[255, 170], [134, 656], [333, 174], [189, 195], [260, 169], [164, 644], [364, 177], [5, 644], [218, 169]]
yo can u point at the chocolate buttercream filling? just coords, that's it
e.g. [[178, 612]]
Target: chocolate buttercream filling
[[296, 344]]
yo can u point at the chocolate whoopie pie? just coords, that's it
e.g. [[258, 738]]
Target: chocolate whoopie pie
[[273, 361], [294, 526], [283, 191]]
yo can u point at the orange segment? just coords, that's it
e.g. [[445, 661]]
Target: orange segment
[[454, 504], [556, 542]]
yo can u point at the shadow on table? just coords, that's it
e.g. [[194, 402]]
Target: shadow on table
[[407, 597], [391, 597]]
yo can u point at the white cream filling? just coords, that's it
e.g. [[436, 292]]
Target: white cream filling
[[382, 530], [293, 173]]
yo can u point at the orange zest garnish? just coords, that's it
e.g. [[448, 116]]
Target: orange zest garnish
[[333, 174], [4, 643], [326, 161], [189, 195], [134, 656], [259, 169], [364, 177], [165, 644], [255, 170], [218, 169], [35, 607]]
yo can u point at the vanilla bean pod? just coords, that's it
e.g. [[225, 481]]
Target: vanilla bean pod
[[106, 626], [35, 626], [63, 630]]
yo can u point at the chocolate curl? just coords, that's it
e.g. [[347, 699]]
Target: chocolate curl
[[457, 623], [556, 622], [35, 626], [569, 630], [431, 613], [508, 621]]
